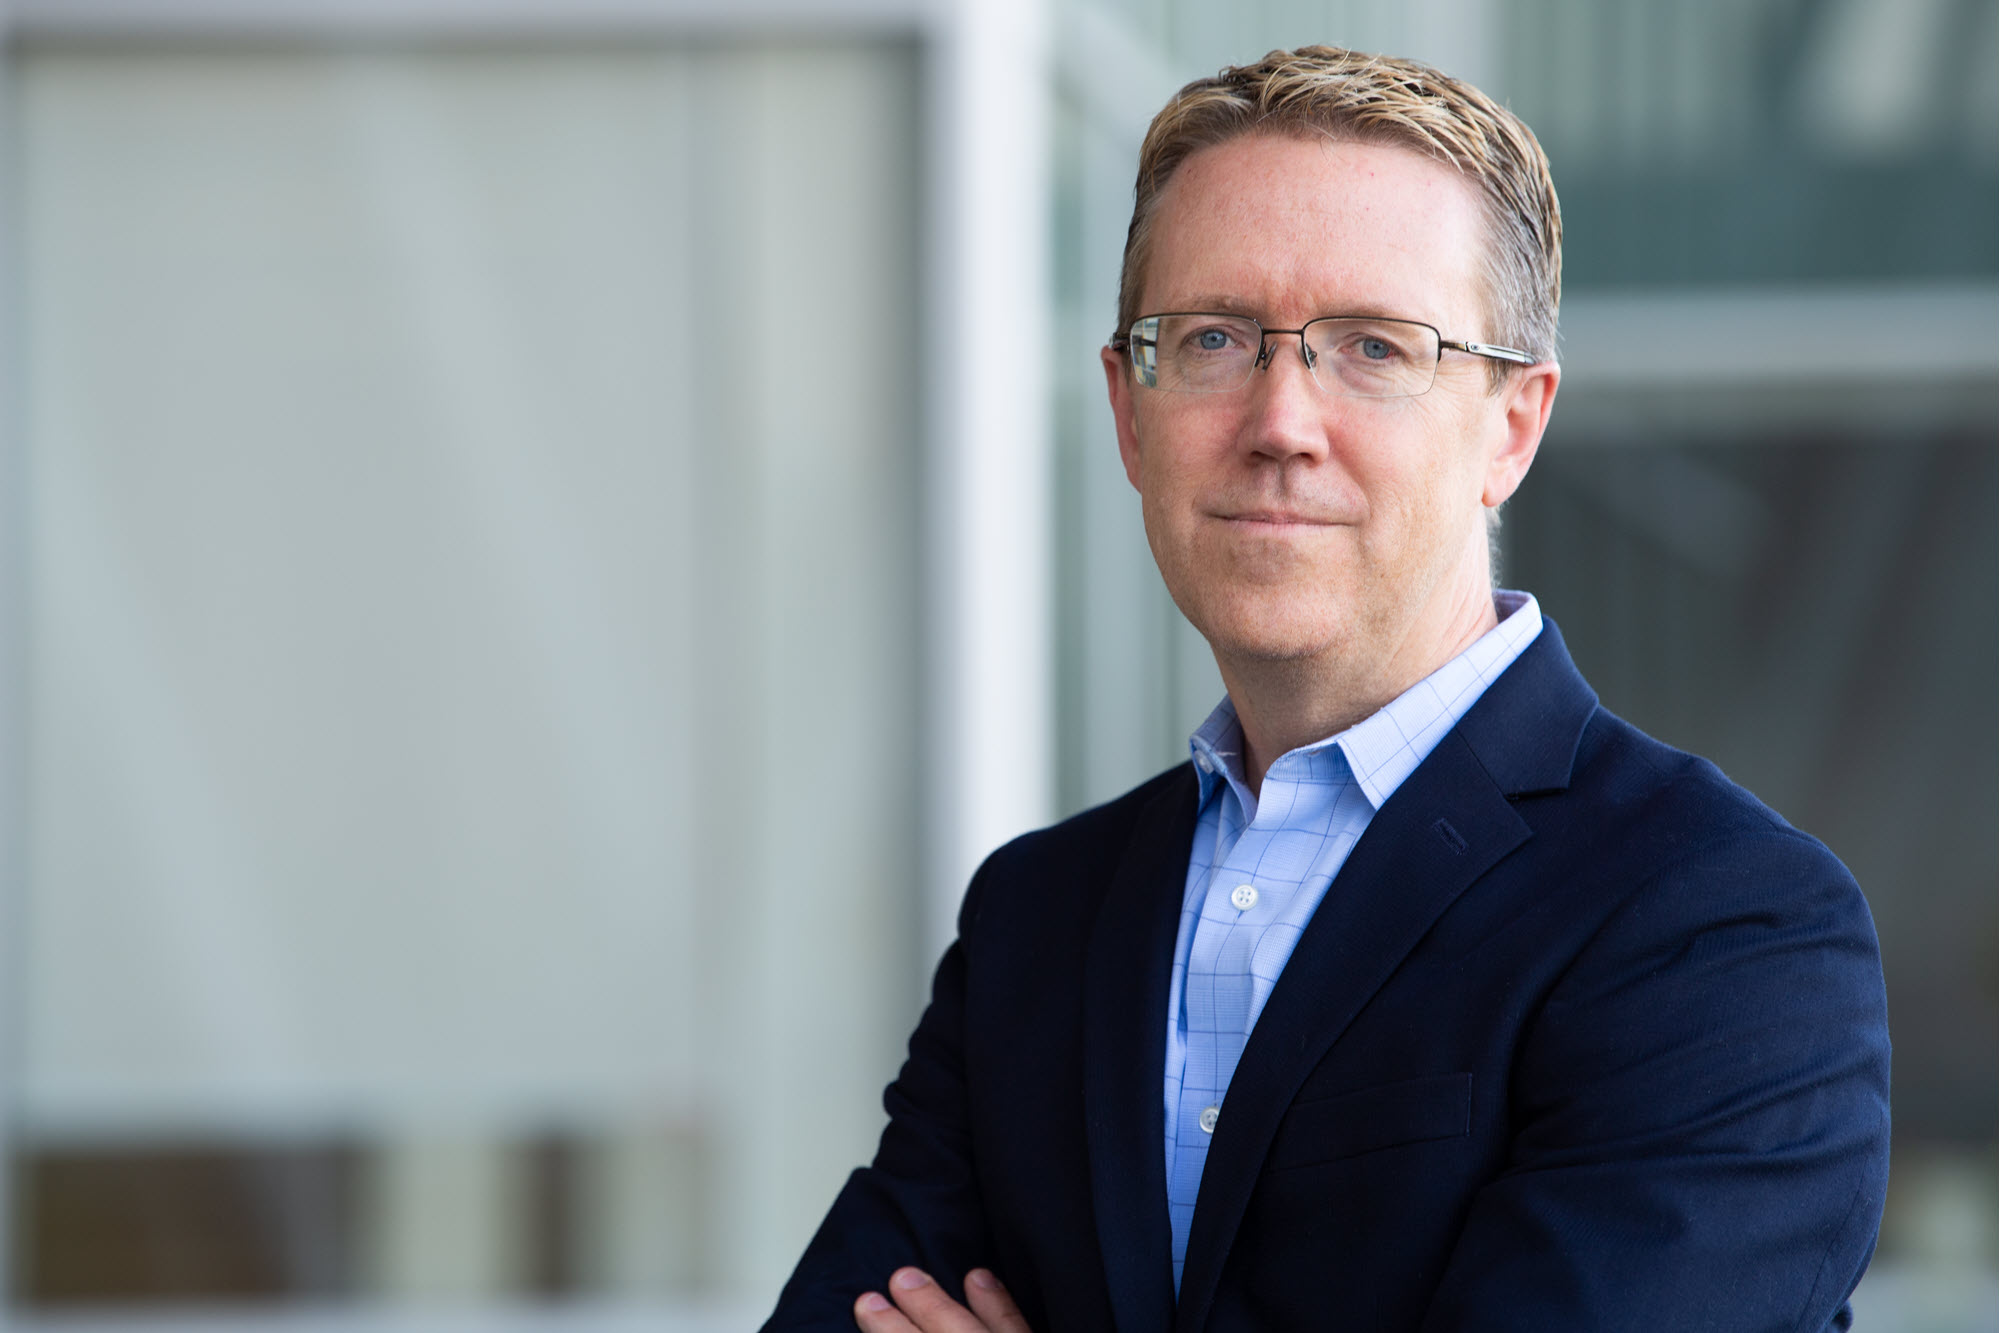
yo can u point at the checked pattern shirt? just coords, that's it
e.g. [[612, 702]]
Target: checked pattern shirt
[[1261, 864]]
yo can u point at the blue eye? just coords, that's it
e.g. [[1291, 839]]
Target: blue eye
[[1376, 350], [1211, 340]]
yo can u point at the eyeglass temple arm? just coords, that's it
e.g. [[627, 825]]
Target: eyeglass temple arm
[[1493, 350]]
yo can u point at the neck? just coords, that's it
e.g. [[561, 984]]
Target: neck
[[1283, 704]]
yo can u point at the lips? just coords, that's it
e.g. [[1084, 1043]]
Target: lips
[[1277, 518]]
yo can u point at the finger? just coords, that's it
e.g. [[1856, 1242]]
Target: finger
[[990, 1301], [873, 1313], [927, 1305]]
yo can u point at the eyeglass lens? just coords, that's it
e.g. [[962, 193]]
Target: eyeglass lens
[[1357, 357]]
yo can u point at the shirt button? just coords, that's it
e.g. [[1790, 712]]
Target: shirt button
[[1209, 1115], [1244, 896], [1201, 761]]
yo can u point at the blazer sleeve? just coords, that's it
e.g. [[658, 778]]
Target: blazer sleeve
[[918, 1202], [1700, 1114]]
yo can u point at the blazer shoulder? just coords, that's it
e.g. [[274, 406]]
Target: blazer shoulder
[[1606, 790], [1665, 805], [1617, 759], [1093, 835], [1087, 846]]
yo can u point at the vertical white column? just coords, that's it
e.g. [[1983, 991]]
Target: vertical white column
[[808, 730], [989, 752]]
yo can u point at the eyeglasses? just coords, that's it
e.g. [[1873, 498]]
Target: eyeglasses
[[1357, 356]]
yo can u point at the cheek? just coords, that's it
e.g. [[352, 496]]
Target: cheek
[[1165, 505], [1173, 472], [1421, 486], [1448, 456]]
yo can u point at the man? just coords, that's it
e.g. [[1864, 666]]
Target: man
[[1430, 994]]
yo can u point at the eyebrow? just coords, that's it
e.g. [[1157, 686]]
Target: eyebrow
[[1233, 305], [1223, 305]]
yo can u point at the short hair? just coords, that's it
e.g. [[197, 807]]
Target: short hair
[[1348, 96]]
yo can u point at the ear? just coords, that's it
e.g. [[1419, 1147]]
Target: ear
[[1118, 384], [1528, 399]]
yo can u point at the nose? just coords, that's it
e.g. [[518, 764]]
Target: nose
[[1288, 413]]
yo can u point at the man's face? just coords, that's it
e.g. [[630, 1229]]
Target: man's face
[[1289, 522]]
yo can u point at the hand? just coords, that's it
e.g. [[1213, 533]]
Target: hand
[[922, 1307]]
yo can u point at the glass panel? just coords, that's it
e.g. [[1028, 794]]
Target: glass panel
[[1722, 141], [1714, 141]]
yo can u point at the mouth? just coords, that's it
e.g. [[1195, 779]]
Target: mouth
[[1275, 520]]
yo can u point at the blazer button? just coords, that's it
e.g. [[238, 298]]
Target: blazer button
[[1245, 897], [1209, 1115]]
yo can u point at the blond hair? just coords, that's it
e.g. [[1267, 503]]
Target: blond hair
[[1352, 97]]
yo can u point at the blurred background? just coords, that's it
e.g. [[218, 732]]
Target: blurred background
[[540, 541]]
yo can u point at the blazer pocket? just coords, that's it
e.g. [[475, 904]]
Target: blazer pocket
[[1326, 1129]]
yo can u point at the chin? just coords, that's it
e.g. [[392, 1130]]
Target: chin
[[1247, 627], [1293, 646]]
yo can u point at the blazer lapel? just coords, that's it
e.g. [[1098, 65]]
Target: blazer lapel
[[1442, 829], [1124, 1051]]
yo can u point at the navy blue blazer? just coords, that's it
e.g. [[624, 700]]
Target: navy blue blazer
[[1582, 1037]]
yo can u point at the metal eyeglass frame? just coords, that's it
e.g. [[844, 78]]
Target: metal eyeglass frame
[[1493, 351]]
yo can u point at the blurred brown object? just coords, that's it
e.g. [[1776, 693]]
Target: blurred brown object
[[186, 1223]]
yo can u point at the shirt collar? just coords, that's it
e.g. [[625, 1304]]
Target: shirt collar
[[1217, 749], [1385, 747]]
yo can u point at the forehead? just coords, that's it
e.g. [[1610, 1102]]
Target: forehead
[[1289, 228]]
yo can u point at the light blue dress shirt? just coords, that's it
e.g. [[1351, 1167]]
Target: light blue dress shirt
[[1261, 864]]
